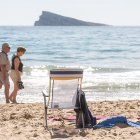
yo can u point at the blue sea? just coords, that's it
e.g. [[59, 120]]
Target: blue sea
[[110, 57]]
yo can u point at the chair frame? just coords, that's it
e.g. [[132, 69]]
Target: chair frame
[[60, 74]]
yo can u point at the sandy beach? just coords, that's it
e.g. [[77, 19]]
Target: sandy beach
[[26, 122]]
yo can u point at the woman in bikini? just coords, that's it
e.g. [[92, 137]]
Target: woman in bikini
[[16, 71]]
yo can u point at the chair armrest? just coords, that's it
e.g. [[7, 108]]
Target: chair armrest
[[45, 94]]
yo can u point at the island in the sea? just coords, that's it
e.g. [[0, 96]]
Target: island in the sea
[[52, 19]]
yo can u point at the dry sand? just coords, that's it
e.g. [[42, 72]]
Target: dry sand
[[26, 122]]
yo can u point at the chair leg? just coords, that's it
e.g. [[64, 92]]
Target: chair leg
[[46, 123], [45, 111]]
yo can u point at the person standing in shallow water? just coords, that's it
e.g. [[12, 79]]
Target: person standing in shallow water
[[4, 69], [16, 71]]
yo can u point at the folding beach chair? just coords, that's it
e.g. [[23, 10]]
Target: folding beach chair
[[63, 86]]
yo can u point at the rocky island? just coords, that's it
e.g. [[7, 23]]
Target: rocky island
[[52, 19]]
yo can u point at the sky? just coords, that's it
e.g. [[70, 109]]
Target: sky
[[112, 12]]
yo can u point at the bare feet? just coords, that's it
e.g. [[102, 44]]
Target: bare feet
[[7, 101], [15, 102], [10, 98]]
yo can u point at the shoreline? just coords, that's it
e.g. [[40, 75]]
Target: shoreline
[[26, 121], [25, 96]]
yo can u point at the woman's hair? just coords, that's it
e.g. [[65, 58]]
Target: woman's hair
[[21, 49]]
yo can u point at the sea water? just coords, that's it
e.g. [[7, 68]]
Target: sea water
[[109, 56]]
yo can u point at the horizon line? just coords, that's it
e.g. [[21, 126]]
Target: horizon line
[[67, 26]]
